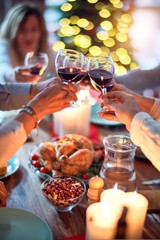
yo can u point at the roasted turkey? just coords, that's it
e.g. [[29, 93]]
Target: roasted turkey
[[70, 154]]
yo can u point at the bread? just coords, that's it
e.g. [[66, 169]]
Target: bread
[[70, 154], [3, 169]]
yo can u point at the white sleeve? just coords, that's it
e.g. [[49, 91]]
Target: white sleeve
[[12, 137], [145, 133]]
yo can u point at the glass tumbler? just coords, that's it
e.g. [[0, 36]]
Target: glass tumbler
[[118, 166]]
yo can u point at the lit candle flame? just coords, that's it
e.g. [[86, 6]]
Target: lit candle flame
[[70, 70], [115, 186]]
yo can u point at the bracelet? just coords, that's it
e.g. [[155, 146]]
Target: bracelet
[[32, 113]]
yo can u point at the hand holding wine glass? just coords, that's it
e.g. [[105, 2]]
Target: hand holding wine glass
[[70, 67], [37, 62], [101, 71]]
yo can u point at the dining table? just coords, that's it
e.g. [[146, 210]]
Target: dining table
[[24, 186]]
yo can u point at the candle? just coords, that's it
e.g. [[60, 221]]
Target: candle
[[137, 206], [115, 197], [73, 120], [101, 222]]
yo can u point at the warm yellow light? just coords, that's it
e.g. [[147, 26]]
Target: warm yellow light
[[95, 51], [66, 7], [92, 1], [58, 45], [126, 18], [105, 51], [83, 41], [109, 42], [112, 32], [76, 30], [104, 13], [67, 31], [64, 22], [125, 59], [134, 66], [114, 56], [106, 25], [118, 5], [102, 35], [121, 37], [74, 19], [114, 1], [90, 26], [120, 70], [71, 0], [120, 51], [82, 22], [99, 5]]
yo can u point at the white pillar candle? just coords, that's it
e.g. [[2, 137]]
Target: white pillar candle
[[137, 206], [73, 120], [115, 197], [101, 222]]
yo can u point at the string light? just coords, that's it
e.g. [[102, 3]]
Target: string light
[[97, 27]]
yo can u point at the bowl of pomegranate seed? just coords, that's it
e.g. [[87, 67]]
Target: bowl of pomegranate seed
[[64, 193]]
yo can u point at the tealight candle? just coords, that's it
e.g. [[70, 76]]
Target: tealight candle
[[137, 206], [101, 222]]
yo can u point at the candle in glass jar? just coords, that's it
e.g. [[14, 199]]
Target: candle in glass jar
[[101, 222], [137, 206]]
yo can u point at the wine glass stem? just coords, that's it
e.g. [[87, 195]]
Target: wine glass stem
[[104, 90]]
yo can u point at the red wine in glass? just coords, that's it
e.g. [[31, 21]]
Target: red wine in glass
[[67, 74], [100, 79]]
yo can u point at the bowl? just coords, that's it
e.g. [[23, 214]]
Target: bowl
[[64, 193]]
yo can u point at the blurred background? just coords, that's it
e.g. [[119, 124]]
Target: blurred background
[[128, 30]]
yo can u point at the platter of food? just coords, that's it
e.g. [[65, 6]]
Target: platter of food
[[70, 155]]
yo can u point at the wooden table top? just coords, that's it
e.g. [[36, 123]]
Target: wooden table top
[[25, 193]]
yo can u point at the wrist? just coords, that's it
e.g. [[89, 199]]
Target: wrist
[[30, 111]]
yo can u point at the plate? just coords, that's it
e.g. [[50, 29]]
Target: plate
[[13, 165], [18, 224], [97, 120]]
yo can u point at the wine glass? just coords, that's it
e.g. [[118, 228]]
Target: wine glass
[[37, 62], [70, 66], [101, 72]]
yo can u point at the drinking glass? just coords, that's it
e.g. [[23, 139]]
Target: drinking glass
[[71, 67], [101, 71], [37, 62], [118, 166]]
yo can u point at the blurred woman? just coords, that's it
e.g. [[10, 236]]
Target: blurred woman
[[23, 30]]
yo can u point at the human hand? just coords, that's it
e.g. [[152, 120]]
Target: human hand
[[23, 74], [53, 98], [3, 195], [122, 104]]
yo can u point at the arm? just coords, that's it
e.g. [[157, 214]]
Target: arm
[[15, 95], [14, 132], [144, 130], [147, 136], [138, 80]]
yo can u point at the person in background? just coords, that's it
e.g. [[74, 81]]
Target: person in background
[[23, 30], [145, 82], [46, 98], [140, 114]]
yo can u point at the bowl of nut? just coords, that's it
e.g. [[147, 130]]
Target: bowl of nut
[[64, 193]]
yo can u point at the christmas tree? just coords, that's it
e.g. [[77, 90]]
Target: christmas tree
[[97, 27]]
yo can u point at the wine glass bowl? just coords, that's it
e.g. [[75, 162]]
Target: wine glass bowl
[[37, 62], [70, 67], [101, 72]]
